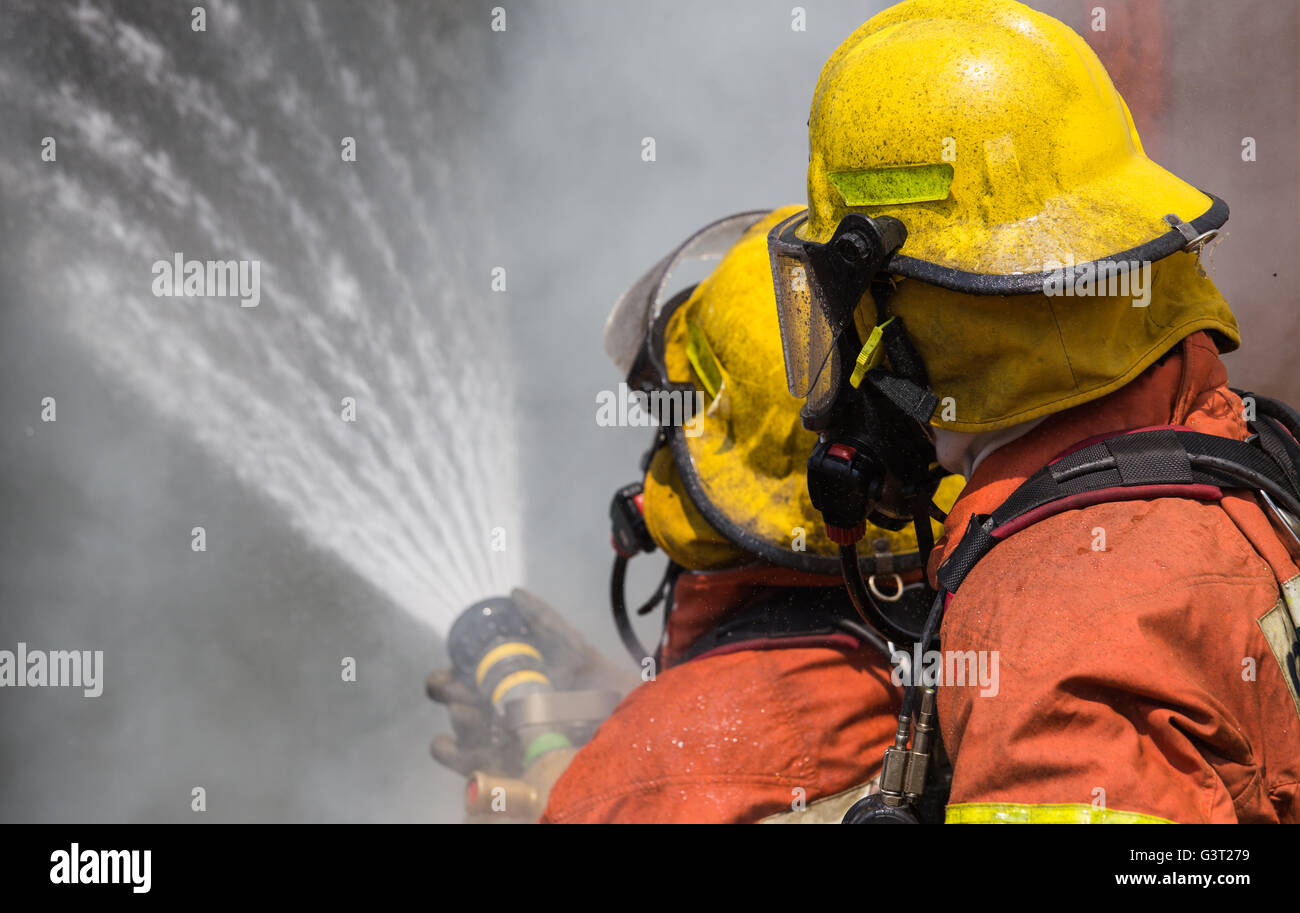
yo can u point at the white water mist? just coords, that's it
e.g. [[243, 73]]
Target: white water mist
[[226, 145]]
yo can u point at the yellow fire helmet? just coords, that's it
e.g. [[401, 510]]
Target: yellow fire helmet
[[730, 486], [1046, 262]]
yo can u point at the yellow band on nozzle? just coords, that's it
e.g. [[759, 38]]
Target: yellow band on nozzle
[[518, 678], [500, 652]]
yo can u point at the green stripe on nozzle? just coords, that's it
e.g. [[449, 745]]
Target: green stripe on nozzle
[[547, 741]]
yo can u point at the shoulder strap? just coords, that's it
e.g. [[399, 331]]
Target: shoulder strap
[[1145, 463]]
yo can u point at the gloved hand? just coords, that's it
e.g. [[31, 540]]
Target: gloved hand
[[477, 740]]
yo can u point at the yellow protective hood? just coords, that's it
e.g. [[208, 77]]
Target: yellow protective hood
[[999, 361], [733, 489]]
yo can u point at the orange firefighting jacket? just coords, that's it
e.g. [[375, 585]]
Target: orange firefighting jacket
[[1143, 669], [734, 736]]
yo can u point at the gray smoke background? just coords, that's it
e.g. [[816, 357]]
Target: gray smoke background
[[476, 149]]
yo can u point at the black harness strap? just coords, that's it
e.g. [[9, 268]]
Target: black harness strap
[[1279, 444], [1151, 463]]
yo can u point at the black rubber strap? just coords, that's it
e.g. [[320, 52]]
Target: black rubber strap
[[618, 604], [969, 283], [977, 542], [1281, 446], [1153, 459], [915, 401]]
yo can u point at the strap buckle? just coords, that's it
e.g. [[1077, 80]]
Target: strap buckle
[[1195, 243]]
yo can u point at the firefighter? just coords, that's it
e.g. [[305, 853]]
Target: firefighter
[[766, 697], [990, 262]]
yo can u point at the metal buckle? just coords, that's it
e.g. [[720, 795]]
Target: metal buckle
[[898, 594], [1195, 242]]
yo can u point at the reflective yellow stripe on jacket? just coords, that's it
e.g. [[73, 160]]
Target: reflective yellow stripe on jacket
[[1009, 813]]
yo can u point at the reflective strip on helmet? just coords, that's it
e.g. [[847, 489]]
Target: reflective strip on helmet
[[702, 359], [1012, 813], [890, 186]]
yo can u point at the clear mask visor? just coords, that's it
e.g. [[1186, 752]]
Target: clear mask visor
[[809, 327]]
